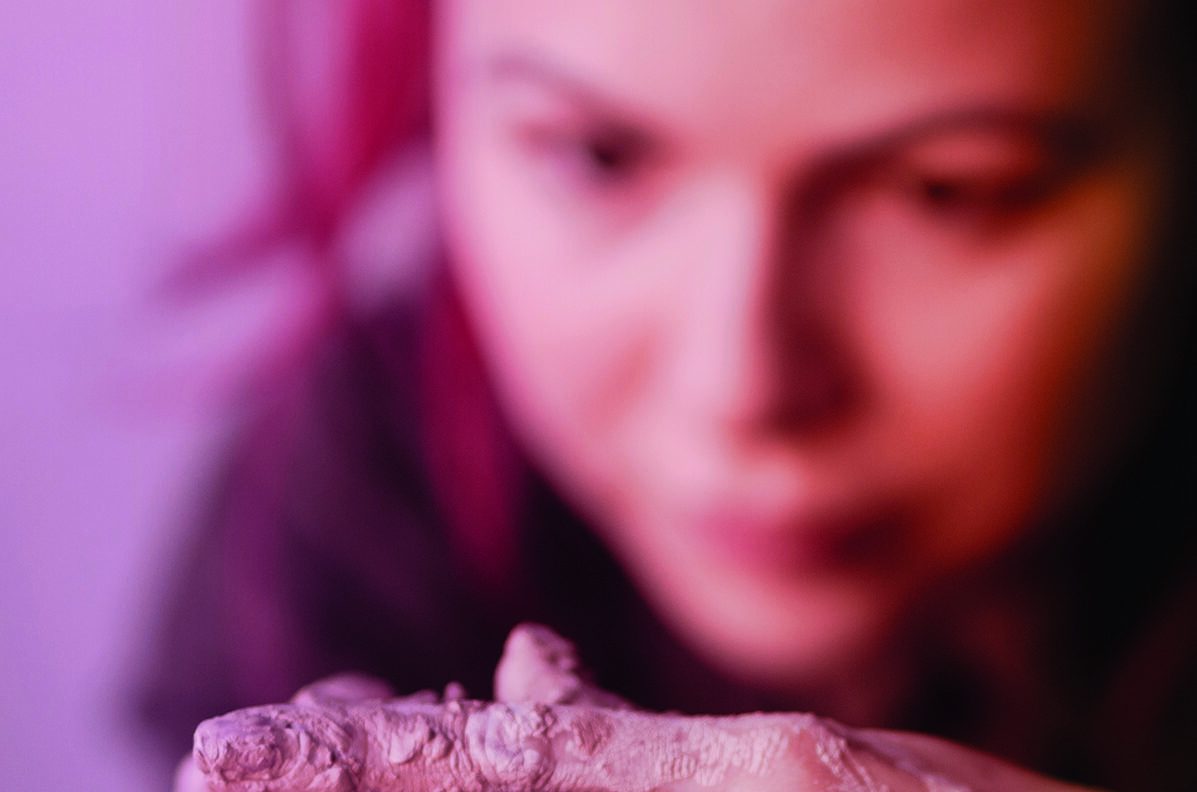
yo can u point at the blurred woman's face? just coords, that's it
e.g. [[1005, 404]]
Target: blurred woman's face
[[794, 298]]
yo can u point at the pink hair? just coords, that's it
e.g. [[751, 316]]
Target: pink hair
[[371, 58]]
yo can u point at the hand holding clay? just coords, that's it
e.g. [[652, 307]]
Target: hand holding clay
[[550, 731]]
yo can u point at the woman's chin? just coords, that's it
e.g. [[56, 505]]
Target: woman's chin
[[784, 635]]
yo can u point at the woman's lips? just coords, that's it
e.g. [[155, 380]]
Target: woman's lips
[[798, 544]]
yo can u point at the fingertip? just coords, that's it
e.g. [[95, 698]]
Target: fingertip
[[188, 777]]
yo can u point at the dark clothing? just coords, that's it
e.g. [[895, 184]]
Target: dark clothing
[[375, 515], [331, 544]]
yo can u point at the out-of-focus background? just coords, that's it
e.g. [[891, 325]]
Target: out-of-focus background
[[126, 131]]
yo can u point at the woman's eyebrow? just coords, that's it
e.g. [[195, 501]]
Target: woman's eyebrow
[[524, 67], [1055, 129], [1071, 139], [1074, 136]]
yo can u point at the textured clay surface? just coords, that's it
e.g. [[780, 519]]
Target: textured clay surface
[[551, 731]]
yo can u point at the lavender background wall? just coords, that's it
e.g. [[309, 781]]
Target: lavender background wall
[[125, 130]]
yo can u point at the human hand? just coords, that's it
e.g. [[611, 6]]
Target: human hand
[[550, 731]]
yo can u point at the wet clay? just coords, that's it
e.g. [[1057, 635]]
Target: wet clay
[[539, 665], [551, 731], [474, 746]]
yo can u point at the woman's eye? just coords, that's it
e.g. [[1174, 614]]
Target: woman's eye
[[607, 158], [976, 197], [950, 198], [989, 191], [982, 180], [601, 159], [967, 203]]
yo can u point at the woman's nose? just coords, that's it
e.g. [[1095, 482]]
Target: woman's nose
[[764, 342]]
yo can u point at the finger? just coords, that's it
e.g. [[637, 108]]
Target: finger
[[931, 757], [474, 747], [539, 666], [188, 777]]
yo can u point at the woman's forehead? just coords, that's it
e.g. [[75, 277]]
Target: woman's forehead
[[835, 62]]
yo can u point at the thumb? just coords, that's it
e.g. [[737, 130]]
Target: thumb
[[188, 777]]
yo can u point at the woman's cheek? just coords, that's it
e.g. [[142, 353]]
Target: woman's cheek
[[563, 326], [981, 354]]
